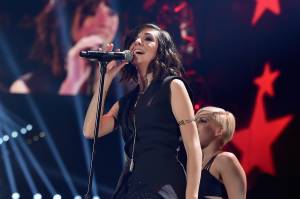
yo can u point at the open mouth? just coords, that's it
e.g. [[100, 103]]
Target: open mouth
[[138, 52]]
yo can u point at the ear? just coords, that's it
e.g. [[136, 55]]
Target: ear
[[219, 131]]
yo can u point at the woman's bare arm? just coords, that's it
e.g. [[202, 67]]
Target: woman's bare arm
[[183, 111], [107, 121], [232, 174]]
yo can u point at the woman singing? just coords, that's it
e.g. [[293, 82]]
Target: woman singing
[[154, 117]]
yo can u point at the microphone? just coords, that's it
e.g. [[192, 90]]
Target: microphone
[[107, 56]]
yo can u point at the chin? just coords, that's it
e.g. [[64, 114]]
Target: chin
[[136, 61], [203, 145]]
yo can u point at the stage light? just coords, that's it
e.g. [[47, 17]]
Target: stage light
[[8, 167], [51, 144], [15, 195], [35, 138], [29, 127], [77, 197], [37, 196], [23, 131], [5, 138], [11, 61], [42, 134], [197, 107], [96, 197], [1, 140], [23, 165], [36, 165], [14, 134], [57, 196]]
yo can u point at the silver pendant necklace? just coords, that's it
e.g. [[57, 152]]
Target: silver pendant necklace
[[131, 166]]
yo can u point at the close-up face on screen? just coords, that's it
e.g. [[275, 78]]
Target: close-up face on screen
[[59, 59]]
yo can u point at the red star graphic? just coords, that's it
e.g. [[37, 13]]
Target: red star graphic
[[255, 142], [265, 82], [264, 5]]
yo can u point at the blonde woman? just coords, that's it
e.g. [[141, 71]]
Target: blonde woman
[[222, 175]]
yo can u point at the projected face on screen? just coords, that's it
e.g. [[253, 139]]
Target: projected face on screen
[[59, 69], [104, 21], [240, 55]]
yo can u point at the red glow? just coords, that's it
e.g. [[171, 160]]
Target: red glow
[[180, 7], [255, 142], [197, 107], [165, 8], [188, 38], [148, 4], [264, 5]]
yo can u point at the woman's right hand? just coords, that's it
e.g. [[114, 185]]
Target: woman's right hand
[[113, 67], [107, 120]]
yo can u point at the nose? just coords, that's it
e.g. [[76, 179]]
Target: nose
[[138, 41], [102, 13]]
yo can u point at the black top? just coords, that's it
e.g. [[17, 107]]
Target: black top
[[156, 167], [210, 185], [42, 81]]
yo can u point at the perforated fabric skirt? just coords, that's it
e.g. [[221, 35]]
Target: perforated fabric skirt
[[131, 187]]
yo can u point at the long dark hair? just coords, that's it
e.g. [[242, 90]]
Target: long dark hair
[[167, 61]]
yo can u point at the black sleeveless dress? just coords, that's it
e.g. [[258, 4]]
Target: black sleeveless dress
[[157, 172], [210, 185]]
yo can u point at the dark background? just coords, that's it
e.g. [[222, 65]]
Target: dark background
[[231, 52]]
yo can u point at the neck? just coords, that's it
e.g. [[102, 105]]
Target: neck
[[144, 80], [211, 150]]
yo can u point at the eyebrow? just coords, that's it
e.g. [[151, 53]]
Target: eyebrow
[[147, 33], [205, 116], [202, 117]]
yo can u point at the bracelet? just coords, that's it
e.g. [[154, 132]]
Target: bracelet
[[184, 122]]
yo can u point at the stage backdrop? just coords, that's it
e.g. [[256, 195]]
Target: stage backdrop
[[239, 55]]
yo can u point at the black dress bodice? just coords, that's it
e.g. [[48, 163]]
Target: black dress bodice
[[210, 185], [156, 165]]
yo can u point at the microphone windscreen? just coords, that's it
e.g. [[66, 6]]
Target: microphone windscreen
[[128, 55]]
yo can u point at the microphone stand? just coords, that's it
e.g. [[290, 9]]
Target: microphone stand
[[102, 69]]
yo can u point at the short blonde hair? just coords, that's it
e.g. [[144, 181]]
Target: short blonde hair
[[225, 119]]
